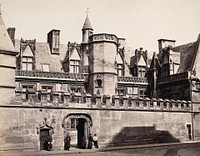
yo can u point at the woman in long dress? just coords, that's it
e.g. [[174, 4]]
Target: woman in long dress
[[67, 142]]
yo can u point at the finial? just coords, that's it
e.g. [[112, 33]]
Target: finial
[[87, 12]]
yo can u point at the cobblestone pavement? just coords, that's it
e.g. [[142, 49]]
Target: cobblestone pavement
[[191, 149]]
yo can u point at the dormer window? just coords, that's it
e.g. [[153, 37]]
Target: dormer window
[[27, 63], [141, 71], [74, 66], [45, 67]]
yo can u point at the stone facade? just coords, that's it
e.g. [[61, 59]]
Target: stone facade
[[95, 87]]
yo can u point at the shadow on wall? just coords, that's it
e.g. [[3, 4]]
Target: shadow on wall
[[141, 135]]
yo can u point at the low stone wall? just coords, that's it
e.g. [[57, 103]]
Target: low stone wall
[[114, 127], [117, 120]]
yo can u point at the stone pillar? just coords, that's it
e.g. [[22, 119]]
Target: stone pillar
[[31, 96], [106, 101], [98, 101], [66, 99], [55, 100], [115, 101]]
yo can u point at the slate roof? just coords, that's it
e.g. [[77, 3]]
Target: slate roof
[[5, 41], [43, 56], [154, 62], [87, 24], [187, 54], [133, 61]]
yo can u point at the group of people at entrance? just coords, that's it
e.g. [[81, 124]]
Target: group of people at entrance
[[91, 140]]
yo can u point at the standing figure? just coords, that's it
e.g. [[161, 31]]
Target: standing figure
[[67, 142], [83, 143], [95, 139], [49, 143], [90, 140]]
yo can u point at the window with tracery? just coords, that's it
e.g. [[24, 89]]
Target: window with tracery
[[74, 66], [27, 63]]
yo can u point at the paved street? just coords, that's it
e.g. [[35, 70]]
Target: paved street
[[189, 149]]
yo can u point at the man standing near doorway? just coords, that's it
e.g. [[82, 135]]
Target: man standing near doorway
[[90, 140], [67, 141], [95, 139]]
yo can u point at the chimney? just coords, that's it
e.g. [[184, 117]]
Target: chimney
[[163, 43], [121, 42], [11, 33], [53, 38]]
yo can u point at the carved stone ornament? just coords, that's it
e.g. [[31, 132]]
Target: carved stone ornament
[[77, 116], [45, 125]]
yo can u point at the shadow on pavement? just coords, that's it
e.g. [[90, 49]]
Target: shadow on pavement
[[140, 136]]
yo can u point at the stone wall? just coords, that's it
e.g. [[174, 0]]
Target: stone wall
[[114, 127], [117, 120]]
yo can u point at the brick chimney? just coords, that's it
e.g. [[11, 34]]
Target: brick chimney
[[53, 38]]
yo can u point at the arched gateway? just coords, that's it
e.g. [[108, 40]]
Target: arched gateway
[[78, 124]]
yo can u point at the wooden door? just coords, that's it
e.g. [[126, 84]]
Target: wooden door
[[44, 136]]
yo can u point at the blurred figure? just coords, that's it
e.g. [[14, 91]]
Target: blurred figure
[[95, 140], [90, 140], [83, 143], [67, 140]]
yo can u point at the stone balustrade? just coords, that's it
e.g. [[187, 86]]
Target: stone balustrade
[[173, 78], [77, 100], [41, 74], [125, 79], [103, 37]]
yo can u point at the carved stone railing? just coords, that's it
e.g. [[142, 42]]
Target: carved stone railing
[[41, 74], [131, 79], [76, 100], [173, 78], [103, 37]]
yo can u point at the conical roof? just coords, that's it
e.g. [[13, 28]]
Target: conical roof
[[87, 24], [5, 41]]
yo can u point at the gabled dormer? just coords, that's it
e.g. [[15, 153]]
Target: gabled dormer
[[119, 65], [26, 58], [75, 61], [72, 61], [138, 64]]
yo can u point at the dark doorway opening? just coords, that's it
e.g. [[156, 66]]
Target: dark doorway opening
[[44, 138], [82, 133], [189, 128]]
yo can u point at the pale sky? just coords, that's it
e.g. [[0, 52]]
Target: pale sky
[[141, 22]]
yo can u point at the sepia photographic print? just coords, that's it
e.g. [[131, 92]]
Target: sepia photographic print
[[100, 77]]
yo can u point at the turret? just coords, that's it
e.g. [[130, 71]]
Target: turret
[[103, 73], [86, 30], [7, 65]]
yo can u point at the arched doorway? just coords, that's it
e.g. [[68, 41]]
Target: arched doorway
[[78, 125], [44, 138], [45, 132]]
